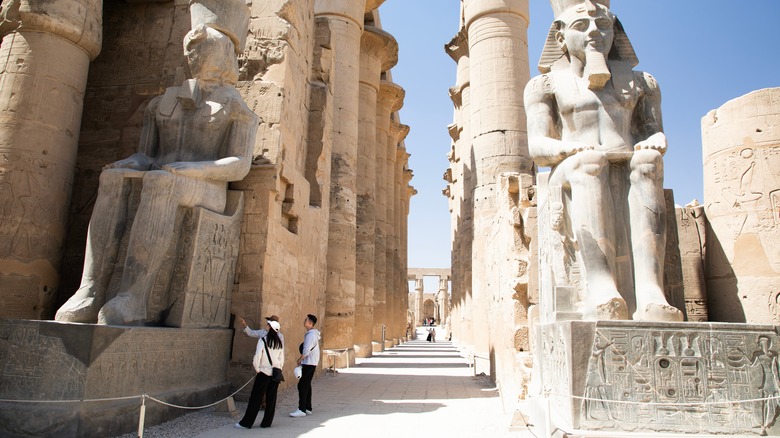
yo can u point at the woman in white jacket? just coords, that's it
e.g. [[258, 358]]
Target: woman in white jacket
[[264, 384]]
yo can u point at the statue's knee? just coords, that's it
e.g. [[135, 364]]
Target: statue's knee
[[158, 180], [591, 163], [111, 178], [646, 164]]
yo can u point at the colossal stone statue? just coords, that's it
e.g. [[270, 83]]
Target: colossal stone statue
[[196, 138], [597, 123]]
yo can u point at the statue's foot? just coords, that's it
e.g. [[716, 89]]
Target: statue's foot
[[121, 310], [81, 307], [658, 312], [612, 309]]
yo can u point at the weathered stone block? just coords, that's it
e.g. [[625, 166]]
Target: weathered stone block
[[65, 366], [660, 377]]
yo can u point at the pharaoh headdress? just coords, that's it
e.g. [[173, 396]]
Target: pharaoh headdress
[[621, 47], [231, 17]]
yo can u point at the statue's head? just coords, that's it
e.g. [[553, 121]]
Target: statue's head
[[211, 55], [584, 27]]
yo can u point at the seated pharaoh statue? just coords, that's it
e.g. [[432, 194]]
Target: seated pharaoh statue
[[597, 124], [196, 138]]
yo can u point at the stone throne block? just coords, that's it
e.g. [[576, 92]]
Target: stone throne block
[[86, 380], [632, 376], [193, 287]]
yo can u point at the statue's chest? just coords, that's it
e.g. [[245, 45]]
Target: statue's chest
[[574, 98], [209, 119]]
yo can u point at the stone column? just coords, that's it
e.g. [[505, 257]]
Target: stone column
[[45, 53], [345, 19], [742, 201], [462, 189], [419, 287], [444, 299], [394, 288], [499, 70], [378, 53], [408, 191], [389, 100]]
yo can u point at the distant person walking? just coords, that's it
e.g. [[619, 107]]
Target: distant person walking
[[310, 357], [270, 349]]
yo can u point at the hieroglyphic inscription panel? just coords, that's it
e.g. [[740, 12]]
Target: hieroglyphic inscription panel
[[716, 378]]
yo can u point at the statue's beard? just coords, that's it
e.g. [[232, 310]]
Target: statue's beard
[[596, 69]]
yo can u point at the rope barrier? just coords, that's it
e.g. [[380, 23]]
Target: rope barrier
[[629, 402], [130, 397]]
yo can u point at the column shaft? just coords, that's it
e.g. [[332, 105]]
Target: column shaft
[[497, 38], [45, 53], [345, 19]]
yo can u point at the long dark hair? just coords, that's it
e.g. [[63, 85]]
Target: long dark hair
[[272, 339]]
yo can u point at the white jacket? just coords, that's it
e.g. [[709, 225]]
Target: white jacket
[[260, 361]]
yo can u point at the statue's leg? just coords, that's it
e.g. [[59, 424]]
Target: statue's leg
[[153, 228], [587, 174], [103, 238], [647, 209]]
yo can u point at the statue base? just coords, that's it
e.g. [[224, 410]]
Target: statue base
[[85, 380], [657, 378]]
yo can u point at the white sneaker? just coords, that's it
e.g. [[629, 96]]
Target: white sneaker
[[239, 426], [298, 413], [308, 412]]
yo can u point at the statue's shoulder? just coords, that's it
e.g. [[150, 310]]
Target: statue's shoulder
[[540, 85], [232, 100], [646, 82]]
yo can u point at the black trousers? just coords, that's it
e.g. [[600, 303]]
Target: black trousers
[[263, 386], [304, 387]]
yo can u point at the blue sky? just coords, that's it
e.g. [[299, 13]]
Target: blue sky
[[702, 52]]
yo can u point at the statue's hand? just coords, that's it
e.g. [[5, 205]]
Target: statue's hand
[[185, 168], [655, 142], [571, 148], [128, 163]]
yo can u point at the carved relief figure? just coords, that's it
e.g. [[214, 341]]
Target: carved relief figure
[[597, 123], [596, 400], [765, 361], [195, 139]]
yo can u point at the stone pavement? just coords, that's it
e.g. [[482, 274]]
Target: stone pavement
[[416, 389]]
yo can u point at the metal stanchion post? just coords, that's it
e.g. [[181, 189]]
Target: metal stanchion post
[[141, 417]]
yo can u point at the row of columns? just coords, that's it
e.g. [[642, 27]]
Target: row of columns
[[366, 244]]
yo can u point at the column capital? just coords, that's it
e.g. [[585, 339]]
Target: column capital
[[398, 131], [474, 9], [80, 23], [458, 46], [373, 4], [353, 10], [391, 94], [381, 44]]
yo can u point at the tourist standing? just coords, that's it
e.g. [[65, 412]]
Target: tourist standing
[[310, 357], [269, 354]]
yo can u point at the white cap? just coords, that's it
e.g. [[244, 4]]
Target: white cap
[[274, 325]]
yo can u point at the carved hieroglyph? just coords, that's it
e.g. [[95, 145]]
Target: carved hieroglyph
[[741, 148], [196, 138], [686, 378], [597, 123]]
